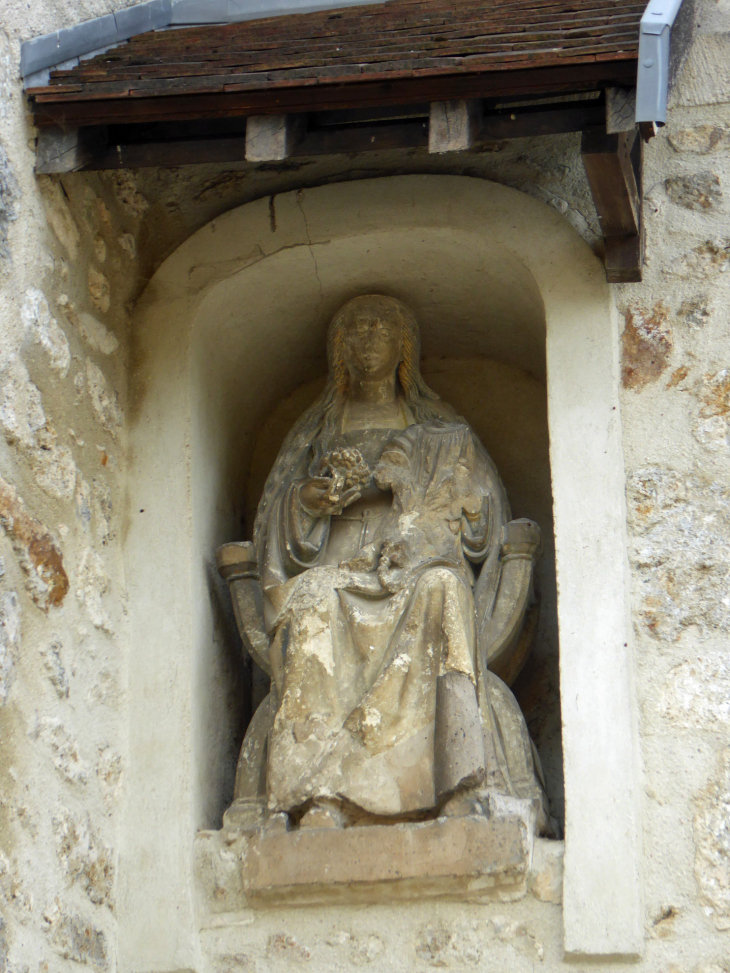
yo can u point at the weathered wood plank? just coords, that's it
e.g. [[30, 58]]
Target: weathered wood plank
[[272, 57], [183, 152], [607, 161], [546, 121], [290, 59], [264, 73], [171, 81], [624, 259], [352, 139], [384, 19], [299, 98], [620, 110], [453, 125], [66, 150], [390, 18], [613, 164]]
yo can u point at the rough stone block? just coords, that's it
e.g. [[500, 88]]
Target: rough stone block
[[705, 79], [698, 191], [452, 125], [680, 526], [9, 196], [41, 560], [470, 858], [546, 873], [704, 262], [9, 641], [76, 939], [701, 140], [270, 138], [56, 147], [462, 856], [646, 344], [712, 862]]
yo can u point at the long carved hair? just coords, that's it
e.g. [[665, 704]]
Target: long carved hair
[[315, 431]]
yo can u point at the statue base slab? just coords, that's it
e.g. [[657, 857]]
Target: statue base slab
[[466, 857]]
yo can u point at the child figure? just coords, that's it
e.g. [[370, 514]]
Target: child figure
[[441, 515]]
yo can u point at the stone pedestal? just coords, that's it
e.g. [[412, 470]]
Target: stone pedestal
[[465, 857]]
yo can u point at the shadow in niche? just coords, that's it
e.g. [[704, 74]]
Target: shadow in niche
[[238, 692]]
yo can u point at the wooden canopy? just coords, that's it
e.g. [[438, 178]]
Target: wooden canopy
[[387, 53], [405, 74]]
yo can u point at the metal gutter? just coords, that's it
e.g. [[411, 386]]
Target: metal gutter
[[51, 50], [64, 47], [652, 82], [190, 12]]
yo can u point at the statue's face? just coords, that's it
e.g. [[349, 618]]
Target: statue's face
[[373, 344]]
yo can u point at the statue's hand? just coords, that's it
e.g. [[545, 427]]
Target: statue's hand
[[315, 495]]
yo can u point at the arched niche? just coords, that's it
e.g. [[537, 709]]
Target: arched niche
[[230, 326]]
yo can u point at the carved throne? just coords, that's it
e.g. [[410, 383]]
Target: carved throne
[[507, 616]]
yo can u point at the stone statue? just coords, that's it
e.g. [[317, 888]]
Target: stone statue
[[386, 592]]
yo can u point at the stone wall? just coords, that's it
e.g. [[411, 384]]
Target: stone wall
[[75, 253], [66, 268]]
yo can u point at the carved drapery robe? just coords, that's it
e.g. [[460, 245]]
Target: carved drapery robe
[[372, 613]]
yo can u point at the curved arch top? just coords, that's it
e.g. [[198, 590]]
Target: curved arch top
[[236, 317], [315, 216], [511, 225]]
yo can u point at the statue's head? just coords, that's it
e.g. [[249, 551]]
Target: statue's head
[[370, 337]]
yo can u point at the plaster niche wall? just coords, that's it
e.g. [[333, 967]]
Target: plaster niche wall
[[230, 325]]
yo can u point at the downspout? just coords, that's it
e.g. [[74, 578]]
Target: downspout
[[652, 83]]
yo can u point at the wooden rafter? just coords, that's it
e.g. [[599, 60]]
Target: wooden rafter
[[613, 164]]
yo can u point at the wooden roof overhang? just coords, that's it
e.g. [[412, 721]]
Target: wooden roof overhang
[[400, 74], [366, 56]]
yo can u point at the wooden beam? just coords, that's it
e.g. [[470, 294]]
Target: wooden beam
[[624, 258], [195, 151], [321, 97], [66, 150], [613, 165], [453, 125], [349, 139], [182, 152], [551, 120], [223, 141], [607, 161]]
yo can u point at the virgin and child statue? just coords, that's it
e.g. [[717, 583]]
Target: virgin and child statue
[[379, 560]]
